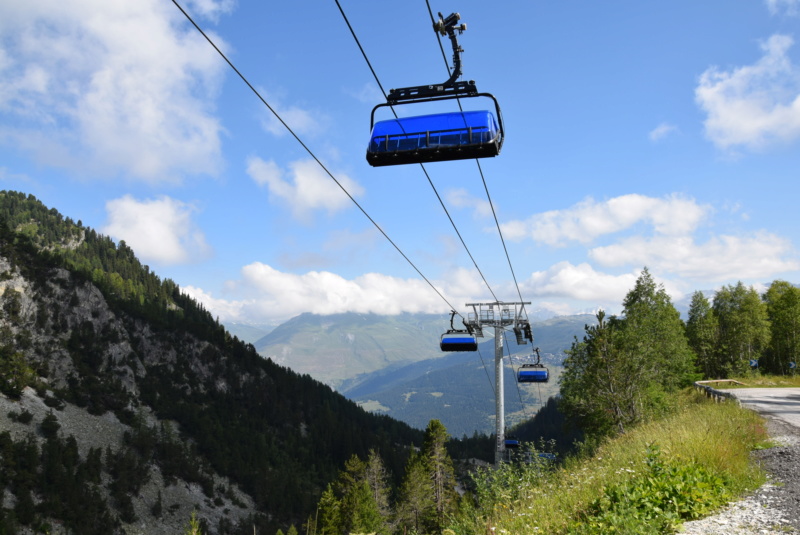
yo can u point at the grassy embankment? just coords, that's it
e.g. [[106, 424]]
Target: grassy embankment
[[762, 381], [648, 480]]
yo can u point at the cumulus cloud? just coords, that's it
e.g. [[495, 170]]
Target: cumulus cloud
[[221, 308], [580, 282], [666, 238], [589, 219], [302, 121], [460, 198], [306, 188], [211, 9], [110, 88], [662, 131], [789, 7], [273, 295], [159, 230], [760, 255], [755, 105]]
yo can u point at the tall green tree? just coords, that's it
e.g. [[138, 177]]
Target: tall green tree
[[427, 494], [359, 499], [416, 499], [329, 520], [361, 514], [440, 473], [377, 479], [702, 331], [743, 326], [15, 374], [783, 310], [618, 375], [595, 384], [655, 336]]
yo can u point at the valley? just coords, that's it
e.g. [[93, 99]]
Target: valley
[[392, 365]]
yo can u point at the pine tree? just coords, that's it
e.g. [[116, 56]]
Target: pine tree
[[330, 517], [358, 501], [377, 478], [416, 496], [194, 525], [440, 472], [361, 514]]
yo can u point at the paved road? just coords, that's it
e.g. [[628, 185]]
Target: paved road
[[781, 403]]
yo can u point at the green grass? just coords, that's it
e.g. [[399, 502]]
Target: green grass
[[757, 380], [647, 481]]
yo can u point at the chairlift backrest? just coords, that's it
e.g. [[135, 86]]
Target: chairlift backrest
[[434, 138], [458, 341]]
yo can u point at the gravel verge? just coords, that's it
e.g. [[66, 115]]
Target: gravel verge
[[775, 507]]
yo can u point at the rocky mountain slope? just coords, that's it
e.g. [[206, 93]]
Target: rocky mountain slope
[[121, 392]]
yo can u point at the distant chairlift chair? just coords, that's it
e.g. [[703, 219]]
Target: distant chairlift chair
[[533, 373]]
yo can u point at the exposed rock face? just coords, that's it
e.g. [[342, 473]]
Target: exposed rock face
[[64, 325]]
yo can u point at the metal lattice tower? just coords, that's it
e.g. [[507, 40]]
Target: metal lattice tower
[[499, 315]]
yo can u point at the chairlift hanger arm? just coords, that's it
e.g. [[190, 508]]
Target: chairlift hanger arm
[[452, 327], [445, 26]]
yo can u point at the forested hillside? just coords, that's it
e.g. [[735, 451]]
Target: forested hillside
[[86, 327]]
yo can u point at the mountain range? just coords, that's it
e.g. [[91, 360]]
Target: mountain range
[[393, 365]]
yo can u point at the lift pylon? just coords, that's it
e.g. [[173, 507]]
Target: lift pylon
[[499, 315]]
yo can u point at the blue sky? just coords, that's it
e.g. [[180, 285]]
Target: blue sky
[[658, 134]]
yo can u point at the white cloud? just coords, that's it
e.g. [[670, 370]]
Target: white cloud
[[755, 105], [583, 284], [668, 243], [460, 198], [159, 230], [110, 88], [790, 7], [211, 9], [761, 255], [662, 131], [273, 295], [307, 188], [302, 121], [369, 93], [589, 219], [580, 282], [225, 310]]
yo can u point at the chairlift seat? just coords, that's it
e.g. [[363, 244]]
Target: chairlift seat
[[434, 138], [533, 373]]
